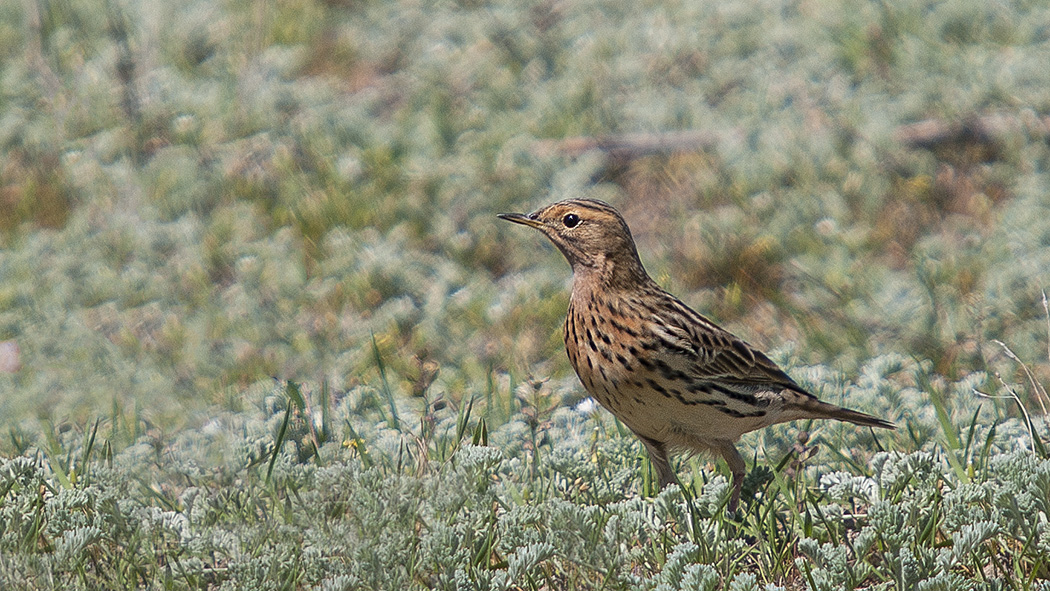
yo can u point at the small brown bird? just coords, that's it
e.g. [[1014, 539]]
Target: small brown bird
[[677, 380]]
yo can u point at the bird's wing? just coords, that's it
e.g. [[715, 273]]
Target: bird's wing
[[714, 367], [706, 352]]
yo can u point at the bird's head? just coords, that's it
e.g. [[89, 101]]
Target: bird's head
[[591, 234]]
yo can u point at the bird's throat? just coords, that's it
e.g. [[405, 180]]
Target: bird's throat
[[608, 273]]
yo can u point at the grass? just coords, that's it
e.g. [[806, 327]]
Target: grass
[[436, 507], [271, 334]]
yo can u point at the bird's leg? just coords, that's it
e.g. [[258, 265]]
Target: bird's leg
[[736, 466], [658, 456]]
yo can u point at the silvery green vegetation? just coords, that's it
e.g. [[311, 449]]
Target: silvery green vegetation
[[272, 336]]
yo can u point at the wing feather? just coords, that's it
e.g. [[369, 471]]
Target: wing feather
[[706, 352]]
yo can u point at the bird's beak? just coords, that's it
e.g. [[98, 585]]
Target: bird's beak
[[520, 218]]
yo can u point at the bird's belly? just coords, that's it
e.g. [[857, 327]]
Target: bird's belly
[[660, 409], [655, 396], [680, 422]]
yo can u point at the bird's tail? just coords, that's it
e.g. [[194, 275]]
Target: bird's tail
[[816, 409]]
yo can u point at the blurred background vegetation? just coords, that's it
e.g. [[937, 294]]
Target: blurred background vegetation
[[197, 197]]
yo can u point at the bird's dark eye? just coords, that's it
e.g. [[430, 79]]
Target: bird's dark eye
[[571, 220]]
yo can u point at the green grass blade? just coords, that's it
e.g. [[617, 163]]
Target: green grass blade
[[281, 433], [395, 421]]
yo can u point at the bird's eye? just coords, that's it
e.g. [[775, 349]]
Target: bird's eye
[[571, 220]]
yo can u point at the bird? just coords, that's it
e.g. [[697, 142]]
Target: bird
[[677, 380]]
